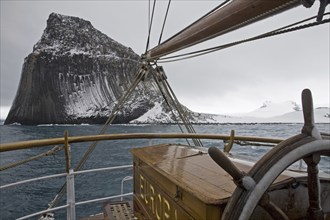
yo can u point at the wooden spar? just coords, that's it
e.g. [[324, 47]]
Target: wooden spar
[[53, 141], [235, 14], [67, 152]]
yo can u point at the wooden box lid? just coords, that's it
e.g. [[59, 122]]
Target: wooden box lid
[[192, 170]]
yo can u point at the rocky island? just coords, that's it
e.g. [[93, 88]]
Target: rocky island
[[76, 74]]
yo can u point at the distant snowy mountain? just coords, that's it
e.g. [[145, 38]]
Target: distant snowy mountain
[[321, 115], [269, 109], [286, 112]]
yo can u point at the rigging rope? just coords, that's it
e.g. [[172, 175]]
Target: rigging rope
[[210, 12], [170, 97], [140, 76], [168, 104], [150, 24], [117, 108], [161, 33], [53, 151], [182, 113], [160, 88], [279, 31]]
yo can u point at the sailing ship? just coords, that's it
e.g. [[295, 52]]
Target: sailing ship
[[174, 181]]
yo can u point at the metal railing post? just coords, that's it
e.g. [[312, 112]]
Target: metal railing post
[[70, 200], [71, 210]]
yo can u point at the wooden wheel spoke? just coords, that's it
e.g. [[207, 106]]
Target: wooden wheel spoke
[[272, 209], [308, 112], [314, 210]]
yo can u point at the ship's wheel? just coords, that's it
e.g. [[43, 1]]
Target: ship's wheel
[[253, 188]]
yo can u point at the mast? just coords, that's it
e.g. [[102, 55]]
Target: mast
[[231, 16]]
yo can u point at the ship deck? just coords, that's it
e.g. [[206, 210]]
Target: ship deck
[[114, 211]]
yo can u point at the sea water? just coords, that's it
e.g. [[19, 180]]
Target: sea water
[[32, 197]]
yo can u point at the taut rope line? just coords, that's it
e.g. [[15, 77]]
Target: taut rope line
[[138, 78], [53, 151], [150, 24], [283, 30], [161, 33]]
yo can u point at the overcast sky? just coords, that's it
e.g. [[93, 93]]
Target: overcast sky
[[237, 79]]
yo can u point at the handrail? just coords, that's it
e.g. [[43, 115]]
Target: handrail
[[121, 195], [88, 138], [78, 203], [64, 174], [43, 212], [103, 169], [32, 180]]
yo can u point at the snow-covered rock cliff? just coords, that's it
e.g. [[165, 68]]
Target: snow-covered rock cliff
[[76, 74]]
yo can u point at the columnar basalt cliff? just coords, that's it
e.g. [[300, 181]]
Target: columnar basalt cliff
[[76, 74]]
